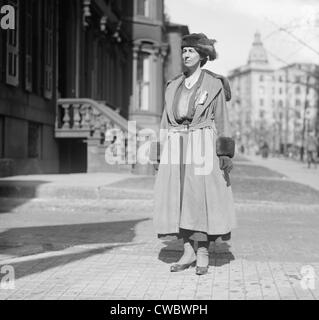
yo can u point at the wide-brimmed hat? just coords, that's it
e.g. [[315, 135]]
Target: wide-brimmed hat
[[202, 43]]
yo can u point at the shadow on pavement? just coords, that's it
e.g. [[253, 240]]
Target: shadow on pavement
[[14, 193], [219, 253], [22, 242]]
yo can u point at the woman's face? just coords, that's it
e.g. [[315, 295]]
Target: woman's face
[[191, 57]]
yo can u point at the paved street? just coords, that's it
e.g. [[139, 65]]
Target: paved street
[[91, 237]]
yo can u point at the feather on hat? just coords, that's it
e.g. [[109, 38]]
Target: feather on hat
[[202, 43]]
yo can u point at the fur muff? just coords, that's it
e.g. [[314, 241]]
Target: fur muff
[[225, 147]]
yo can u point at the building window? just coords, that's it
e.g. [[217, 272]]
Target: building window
[[261, 102], [261, 90], [261, 78], [298, 114], [280, 90], [262, 114], [48, 48], [297, 90], [280, 79], [28, 45], [1, 137], [143, 8], [280, 104], [12, 57], [143, 80], [298, 103], [34, 140], [297, 79]]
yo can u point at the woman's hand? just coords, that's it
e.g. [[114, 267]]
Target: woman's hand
[[225, 163]]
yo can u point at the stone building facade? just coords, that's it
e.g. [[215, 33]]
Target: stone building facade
[[278, 106], [70, 71]]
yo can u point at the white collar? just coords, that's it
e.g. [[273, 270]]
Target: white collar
[[191, 80]]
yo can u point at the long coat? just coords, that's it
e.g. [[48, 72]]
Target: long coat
[[201, 201]]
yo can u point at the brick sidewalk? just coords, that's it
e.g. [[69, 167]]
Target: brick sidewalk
[[110, 251]]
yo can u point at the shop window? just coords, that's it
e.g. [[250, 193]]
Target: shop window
[[34, 140], [143, 80]]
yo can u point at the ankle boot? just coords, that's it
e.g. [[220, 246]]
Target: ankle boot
[[188, 258], [202, 258]]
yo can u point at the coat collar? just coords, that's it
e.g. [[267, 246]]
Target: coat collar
[[209, 84]]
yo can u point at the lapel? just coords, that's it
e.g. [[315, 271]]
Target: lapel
[[212, 86], [169, 97], [209, 84]]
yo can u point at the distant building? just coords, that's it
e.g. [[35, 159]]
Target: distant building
[[268, 104], [174, 65], [74, 70]]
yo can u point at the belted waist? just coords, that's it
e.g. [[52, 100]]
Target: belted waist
[[191, 127]]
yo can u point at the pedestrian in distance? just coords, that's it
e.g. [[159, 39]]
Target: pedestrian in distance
[[265, 150], [312, 148], [193, 200]]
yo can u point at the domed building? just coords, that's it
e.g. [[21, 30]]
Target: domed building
[[269, 104], [251, 104]]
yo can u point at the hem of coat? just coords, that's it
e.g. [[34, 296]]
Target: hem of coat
[[196, 235]]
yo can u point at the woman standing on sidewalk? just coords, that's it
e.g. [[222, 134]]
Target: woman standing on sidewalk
[[193, 198]]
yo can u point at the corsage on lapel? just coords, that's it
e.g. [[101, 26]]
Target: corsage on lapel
[[202, 98]]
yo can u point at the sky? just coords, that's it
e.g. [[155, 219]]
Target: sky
[[233, 24]]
